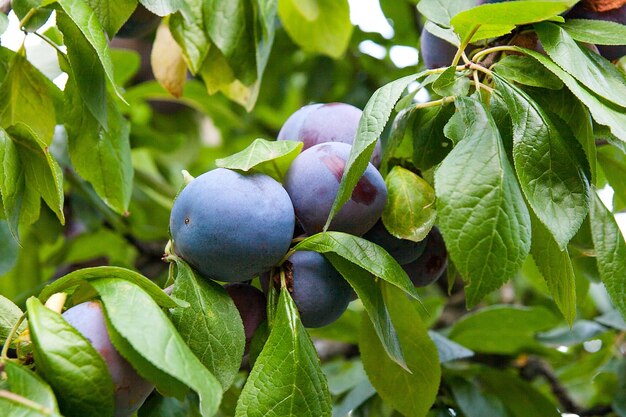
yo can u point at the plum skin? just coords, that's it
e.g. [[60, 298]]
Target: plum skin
[[430, 266], [436, 52], [230, 226], [252, 307], [312, 182], [131, 390], [320, 123], [403, 251], [320, 293]]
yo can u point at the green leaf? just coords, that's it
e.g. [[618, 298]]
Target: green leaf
[[599, 32], [501, 329], [605, 113], [481, 211], [321, 26], [494, 20], [550, 174], [474, 401], [430, 145], [527, 71], [166, 7], [126, 63], [447, 349], [69, 363], [270, 157], [373, 120], [29, 385], [85, 20], [596, 74], [369, 293], [4, 23], [441, 11], [363, 253], [353, 399], [579, 332], [41, 171], [519, 397], [233, 36], [9, 315], [189, 32], [128, 308], [564, 104], [610, 252], [286, 380], [26, 92], [410, 392], [77, 277], [452, 83], [556, 267], [101, 156], [410, 209], [210, 326], [8, 246], [112, 13]]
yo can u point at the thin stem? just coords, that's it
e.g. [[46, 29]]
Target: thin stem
[[12, 333], [287, 255], [26, 18], [442, 69], [476, 80], [465, 58], [488, 51], [464, 44], [480, 68], [434, 103]]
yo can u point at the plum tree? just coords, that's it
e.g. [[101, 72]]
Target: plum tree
[[318, 290], [429, 267], [583, 10], [139, 24], [436, 52], [232, 226], [252, 306], [319, 123], [402, 250], [131, 390], [312, 182]]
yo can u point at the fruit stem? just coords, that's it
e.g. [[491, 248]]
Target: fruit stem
[[464, 44], [26, 18], [434, 103], [488, 51], [480, 68], [7, 343]]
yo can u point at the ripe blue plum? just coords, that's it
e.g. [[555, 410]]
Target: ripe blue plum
[[320, 123], [131, 390], [318, 290], [436, 52], [583, 11], [252, 306], [230, 226], [429, 267], [312, 182], [402, 250]]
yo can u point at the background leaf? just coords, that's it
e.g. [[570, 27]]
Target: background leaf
[[286, 379], [28, 384], [599, 32]]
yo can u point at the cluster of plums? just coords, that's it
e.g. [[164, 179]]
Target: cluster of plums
[[437, 53], [233, 226]]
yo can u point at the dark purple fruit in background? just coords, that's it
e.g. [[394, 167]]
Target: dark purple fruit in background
[[231, 226], [252, 306], [402, 250], [436, 52], [580, 11], [312, 182], [139, 24], [318, 290], [429, 267], [320, 123], [131, 390]]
